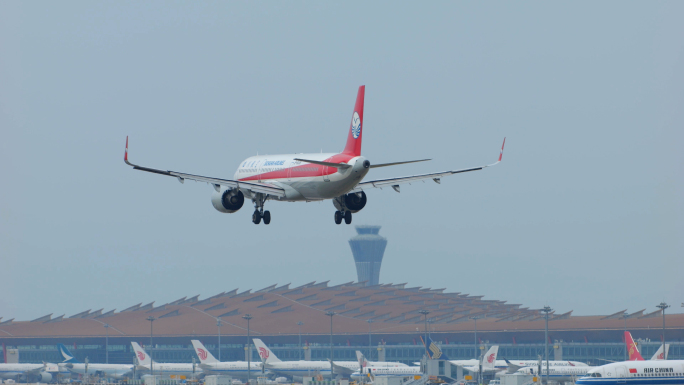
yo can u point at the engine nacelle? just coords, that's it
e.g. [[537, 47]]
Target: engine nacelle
[[354, 202], [40, 377], [228, 201]]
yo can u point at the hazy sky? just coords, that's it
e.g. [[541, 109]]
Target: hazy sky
[[585, 213]]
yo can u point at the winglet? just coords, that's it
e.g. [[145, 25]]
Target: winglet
[[500, 155], [126, 153]]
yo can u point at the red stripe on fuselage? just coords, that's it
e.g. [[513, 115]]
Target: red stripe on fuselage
[[306, 170]]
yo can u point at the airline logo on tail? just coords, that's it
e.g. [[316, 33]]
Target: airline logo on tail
[[68, 357], [141, 356], [263, 353], [202, 354], [356, 125], [434, 352], [491, 358], [634, 354]]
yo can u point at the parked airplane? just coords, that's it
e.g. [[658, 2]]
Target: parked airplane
[[210, 365], [670, 372], [372, 372], [27, 372], [115, 371], [511, 366], [170, 370], [635, 355], [310, 368], [306, 177], [559, 374]]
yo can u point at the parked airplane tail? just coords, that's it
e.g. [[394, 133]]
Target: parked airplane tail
[[634, 354], [353, 146], [361, 359], [661, 354], [265, 353], [489, 359], [434, 352], [203, 353], [141, 355], [68, 357]]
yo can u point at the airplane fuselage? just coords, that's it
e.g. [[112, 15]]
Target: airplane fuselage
[[304, 181]]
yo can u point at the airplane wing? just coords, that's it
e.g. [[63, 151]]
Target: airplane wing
[[512, 368], [215, 182], [436, 176], [337, 369]]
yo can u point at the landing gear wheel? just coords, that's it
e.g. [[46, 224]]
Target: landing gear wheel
[[267, 217], [347, 217], [338, 217], [256, 217]]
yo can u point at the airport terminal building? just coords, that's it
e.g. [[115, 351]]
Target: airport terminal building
[[385, 321]]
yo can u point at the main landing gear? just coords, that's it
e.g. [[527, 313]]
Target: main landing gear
[[339, 215], [259, 212]]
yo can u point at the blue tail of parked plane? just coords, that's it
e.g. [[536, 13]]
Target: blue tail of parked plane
[[68, 357], [434, 352]]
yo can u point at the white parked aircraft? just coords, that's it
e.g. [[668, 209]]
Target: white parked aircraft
[[177, 371], [373, 371], [210, 365], [306, 177], [115, 371], [559, 374], [27, 372], [511, 366], [670, 372], [310, 368]]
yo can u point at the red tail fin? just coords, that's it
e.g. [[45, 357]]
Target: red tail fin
[[353, 146], [634, 354]]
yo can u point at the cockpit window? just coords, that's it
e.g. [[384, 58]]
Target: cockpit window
[[596, 374]]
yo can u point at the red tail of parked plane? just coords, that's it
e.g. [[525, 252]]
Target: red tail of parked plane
[[634, 354]]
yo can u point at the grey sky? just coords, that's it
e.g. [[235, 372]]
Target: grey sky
[[584, 213]]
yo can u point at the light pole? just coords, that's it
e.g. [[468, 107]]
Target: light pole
[[300, 323], [477, 354], [331, 314], [249, 352], [151, 319], [425, 313], [107, 344], [662, 306], [546, 310], [370, 342], [218, 323]]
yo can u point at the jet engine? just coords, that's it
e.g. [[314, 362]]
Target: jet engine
[[228, 201], [40, 377], [355, 201]]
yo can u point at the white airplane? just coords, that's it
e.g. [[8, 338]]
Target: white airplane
[[210, 365], [512, 366], [670, 372], [310, 368], [306, 177], [397, 371], [26, 372], [115, 371], [559, 374], [165, 370]]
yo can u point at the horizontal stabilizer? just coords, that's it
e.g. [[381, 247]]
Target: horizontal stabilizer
[[396, 163], [342, 166]]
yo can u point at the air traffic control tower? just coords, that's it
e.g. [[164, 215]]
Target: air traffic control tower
[[368, 248]]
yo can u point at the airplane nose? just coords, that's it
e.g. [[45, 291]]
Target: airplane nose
[[366, 163]]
